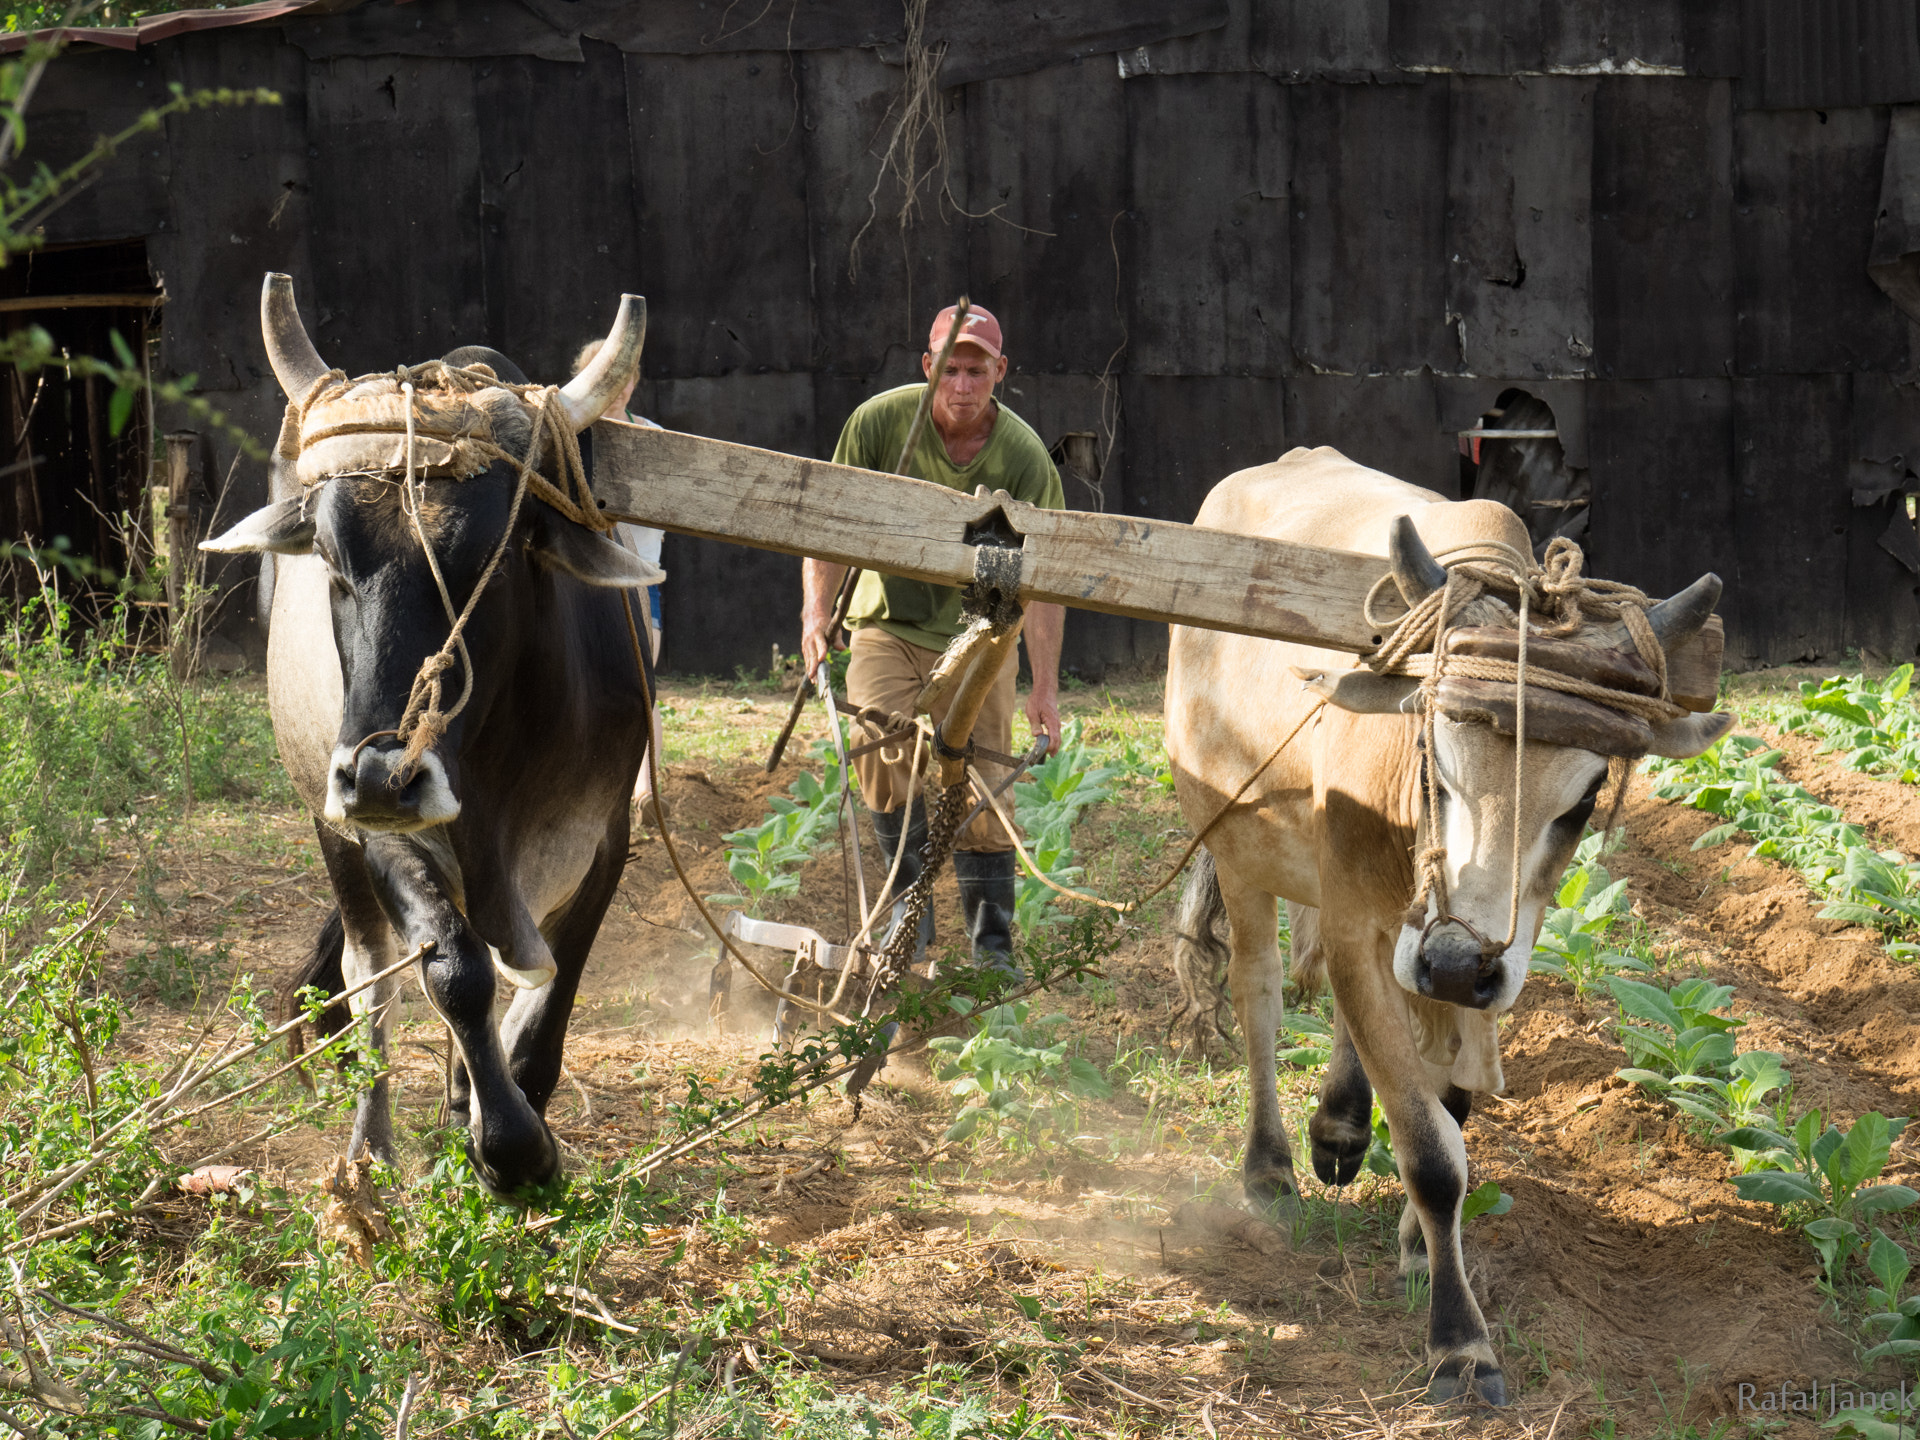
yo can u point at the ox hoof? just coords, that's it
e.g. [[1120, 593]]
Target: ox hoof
[[1337, 1163], [1456, 1379], [518, 1194]]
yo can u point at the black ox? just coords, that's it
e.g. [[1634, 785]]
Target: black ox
[[503, 846]]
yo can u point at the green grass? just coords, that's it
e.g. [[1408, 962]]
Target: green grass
[[102, 751]]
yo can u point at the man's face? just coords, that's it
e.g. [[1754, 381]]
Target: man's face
[[967, 386]]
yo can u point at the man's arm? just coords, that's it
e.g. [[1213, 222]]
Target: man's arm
[[1043, 630], [819, 589]]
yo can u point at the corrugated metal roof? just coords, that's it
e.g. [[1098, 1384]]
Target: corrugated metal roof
[[179, 22], [1827, 54]]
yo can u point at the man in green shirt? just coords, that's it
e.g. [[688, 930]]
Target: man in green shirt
[[901, 626]]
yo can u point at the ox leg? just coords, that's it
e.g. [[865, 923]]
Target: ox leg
[[1256, 976], [1413, 1243], [1433, 1168], [1342, 1126], [535, 1029], [369, 950], [509, 1144]]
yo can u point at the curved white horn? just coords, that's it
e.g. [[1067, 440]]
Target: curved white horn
[[588, 394], [296, 364]]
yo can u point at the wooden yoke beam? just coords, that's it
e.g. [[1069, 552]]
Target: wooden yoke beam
[[1123, 565]]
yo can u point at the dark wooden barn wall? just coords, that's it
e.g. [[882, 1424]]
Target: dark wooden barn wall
[[1206, 251]]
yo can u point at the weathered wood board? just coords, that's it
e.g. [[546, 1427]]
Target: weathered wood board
[[1119, 564]]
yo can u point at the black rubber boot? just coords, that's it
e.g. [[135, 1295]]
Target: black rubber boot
[[886, 829], [987, 900]]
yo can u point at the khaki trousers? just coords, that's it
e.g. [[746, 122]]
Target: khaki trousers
[[888, 673]]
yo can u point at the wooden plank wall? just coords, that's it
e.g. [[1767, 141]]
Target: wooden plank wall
[[1207, 241]]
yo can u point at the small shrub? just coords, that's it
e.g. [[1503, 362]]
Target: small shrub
[[1010, 1071]]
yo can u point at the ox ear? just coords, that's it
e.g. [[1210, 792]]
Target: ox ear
[[592, 559], [1361, 692], [281, 529], [1687, 736]]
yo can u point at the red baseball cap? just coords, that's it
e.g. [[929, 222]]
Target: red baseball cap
[[981, 329]]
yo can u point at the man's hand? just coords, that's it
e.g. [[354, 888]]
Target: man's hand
[[1042, 633], [815, 642], [820, 592], [1043, 718]]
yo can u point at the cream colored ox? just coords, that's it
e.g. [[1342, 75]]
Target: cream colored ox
[[1331, 825]]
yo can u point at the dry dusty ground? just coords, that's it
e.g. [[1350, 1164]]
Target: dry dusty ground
[[1628, 1285]]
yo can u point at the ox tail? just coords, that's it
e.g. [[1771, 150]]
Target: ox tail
[[322, 970], [1306, 956], [1200, 955]]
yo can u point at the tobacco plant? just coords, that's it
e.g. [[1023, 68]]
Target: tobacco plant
[[1899, 1317], [1047, 804], [1574, 937], [765, 859], [1674, 1036], [1819, 1176], [1737, 779], [1874, 723], [1010, 1071]]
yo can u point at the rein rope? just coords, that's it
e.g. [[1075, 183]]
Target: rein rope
[[426, 717], [1417, 646]]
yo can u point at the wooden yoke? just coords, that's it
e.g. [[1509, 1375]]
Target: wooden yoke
[[1120, 564]]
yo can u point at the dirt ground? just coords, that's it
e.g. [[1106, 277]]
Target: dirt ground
[[1627, 1286]]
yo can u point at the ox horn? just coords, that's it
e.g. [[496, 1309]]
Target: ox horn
[[1415, 570], [1678, 618], [296, 364], [588, 394]]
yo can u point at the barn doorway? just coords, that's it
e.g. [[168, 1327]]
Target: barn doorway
[[66, 480], [1514, 456]]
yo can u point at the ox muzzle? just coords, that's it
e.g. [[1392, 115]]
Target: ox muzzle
[[1456, 964], [371, 787]]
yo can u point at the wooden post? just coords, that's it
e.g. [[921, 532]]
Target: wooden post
[[180, 627]]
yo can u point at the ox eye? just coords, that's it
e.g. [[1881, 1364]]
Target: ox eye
[[1582, 812]]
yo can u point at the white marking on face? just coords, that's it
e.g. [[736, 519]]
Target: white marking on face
[[1474, 768]]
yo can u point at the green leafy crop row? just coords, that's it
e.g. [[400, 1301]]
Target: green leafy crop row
[[1738, 780], [1873, 722]]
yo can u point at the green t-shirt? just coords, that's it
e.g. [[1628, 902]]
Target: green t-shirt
[[1013, 460]]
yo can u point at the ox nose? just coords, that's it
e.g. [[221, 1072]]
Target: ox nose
[[1449, 969], [368, 787]]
